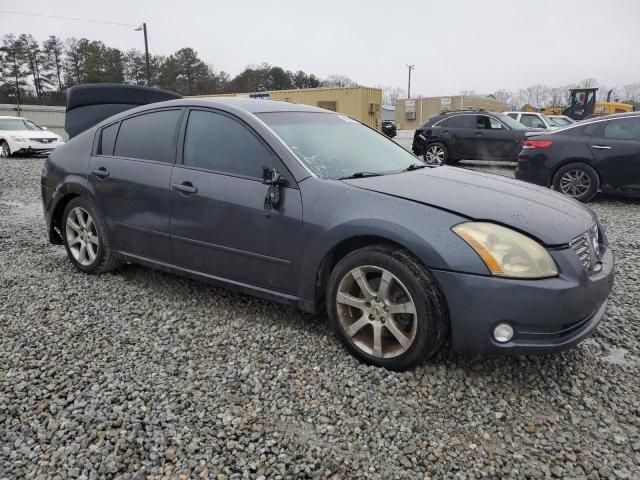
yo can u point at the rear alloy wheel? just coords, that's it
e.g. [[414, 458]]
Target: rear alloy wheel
[[4, 149], [436, 154], [386, 308], [578, 181]]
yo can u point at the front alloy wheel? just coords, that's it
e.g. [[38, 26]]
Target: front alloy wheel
[[385, 307], [82, 236], [376, 311], [435, 155]]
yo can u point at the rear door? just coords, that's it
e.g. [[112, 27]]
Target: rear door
[[616, 148], [457, 133], [219, 224], [130, 176]]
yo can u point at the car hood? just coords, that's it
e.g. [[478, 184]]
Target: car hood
[[552, 218], [31, 133]]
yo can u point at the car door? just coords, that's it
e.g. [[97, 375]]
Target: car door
[[493, 140], [130, 177], [616, 148], [457, 133], [219, 223]]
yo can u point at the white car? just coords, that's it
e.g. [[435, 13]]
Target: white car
[[534, 120], [20, 135], [562, 120]]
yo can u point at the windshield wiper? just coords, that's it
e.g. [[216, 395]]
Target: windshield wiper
[[360, 175], [415, 166]]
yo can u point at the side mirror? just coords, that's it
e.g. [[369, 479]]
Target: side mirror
[[271, 177]]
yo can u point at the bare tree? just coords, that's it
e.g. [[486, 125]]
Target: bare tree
[[631, 93], [507, 97], [391, 94], [468, 93], [536, 95]]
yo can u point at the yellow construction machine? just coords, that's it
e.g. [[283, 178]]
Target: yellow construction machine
[[582, 104]]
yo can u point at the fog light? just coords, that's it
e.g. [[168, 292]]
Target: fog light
[[503, 332]]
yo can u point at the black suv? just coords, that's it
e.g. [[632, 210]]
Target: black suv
[[469, 135]]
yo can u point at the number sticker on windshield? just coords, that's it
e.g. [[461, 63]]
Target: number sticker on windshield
[[347, 119]]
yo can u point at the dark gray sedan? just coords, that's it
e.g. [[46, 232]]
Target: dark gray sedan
[[308, 207]]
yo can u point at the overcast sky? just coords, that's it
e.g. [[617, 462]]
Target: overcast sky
[[455, 45]]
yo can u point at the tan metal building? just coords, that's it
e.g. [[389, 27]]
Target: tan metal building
[[412, 113], [360, 103]]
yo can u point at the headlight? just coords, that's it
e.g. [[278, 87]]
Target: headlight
[[18, 138], [507, 253]]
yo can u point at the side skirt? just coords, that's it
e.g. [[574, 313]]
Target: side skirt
[[246, 288]]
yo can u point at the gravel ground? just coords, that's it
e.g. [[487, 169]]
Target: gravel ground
[[140, 374]]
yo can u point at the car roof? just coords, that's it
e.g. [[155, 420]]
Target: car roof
[[251, 105], [5, 117]]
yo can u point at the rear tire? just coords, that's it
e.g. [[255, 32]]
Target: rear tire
[[386, 308], [577, 180], [85, 238], [5, 151]]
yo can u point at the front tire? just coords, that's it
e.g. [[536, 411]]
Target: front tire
[[386, 308], [578, 181], [5, 151], [85, 239]]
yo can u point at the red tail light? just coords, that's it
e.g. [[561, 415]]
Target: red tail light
[[536, 144]]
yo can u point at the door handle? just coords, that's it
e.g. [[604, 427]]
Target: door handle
[[186, 187], [601, 147], [101, 172], [479, 134]]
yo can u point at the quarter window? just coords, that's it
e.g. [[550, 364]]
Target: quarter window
[[151, 136], [623, 129], [216, 142], [108, 139]]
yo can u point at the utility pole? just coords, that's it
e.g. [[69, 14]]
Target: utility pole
[[143, 27], [410, 67]]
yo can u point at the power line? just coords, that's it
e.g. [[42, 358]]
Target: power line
[[67, 18]]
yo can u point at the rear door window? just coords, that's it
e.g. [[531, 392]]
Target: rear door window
[[150, 136], [623, 129], [108, 139], [460, 121]]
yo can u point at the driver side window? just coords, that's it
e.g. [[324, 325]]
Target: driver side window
[[486, 122], [532, 121]]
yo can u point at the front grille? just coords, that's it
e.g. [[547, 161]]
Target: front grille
[[587, 247], [580, 245], [42, 140]]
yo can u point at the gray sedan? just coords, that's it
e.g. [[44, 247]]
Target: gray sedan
[[308, 207]]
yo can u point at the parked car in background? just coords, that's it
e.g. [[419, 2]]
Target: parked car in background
[[389, 128], [534, 120], [469, 135], [22, 136], [561, 120], [214, 189], [578, 160]]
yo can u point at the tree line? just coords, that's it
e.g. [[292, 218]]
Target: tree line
[[541, 96], [41, 72]]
